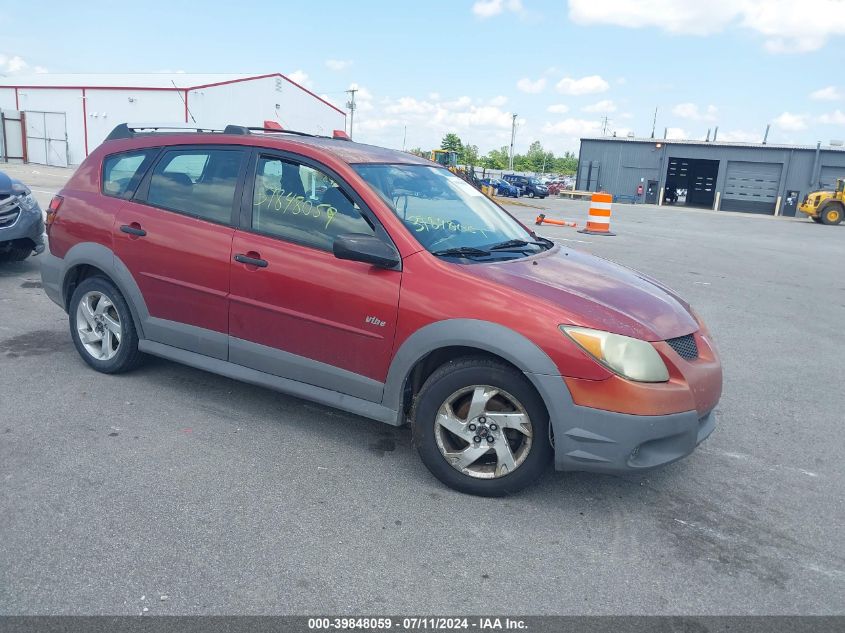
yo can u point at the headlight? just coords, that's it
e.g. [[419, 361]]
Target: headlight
[[24, 194], [28, 202], [629, 357]]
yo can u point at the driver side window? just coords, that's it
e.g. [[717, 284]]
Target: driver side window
[[301, 204]]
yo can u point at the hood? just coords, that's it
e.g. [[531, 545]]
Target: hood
[[596, 293], [5, 183]]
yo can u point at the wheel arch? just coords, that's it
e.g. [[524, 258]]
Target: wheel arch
[[91, 259], [439, 342]]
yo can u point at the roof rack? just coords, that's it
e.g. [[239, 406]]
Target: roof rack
[[127, 130]]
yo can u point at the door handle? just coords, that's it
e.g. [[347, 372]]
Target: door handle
[[133, 229], [251, 261]]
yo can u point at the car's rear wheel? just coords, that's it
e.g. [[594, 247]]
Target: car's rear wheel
[[481, 428], [102, 328]]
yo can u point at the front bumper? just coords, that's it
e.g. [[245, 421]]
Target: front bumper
[[602, 441], [610, 442], [29, 224]]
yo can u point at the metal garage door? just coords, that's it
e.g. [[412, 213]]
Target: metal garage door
[[828, 176], [751, 186], [46, 138]]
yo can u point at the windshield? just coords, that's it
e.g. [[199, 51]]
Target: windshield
[[443, 211]]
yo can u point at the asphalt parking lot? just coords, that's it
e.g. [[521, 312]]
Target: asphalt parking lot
[[174, 491]]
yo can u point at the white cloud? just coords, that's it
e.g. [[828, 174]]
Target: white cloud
[[573, 127], [338, 64], [605, 105], [591, 84], [837, 117], [15, 64], [828, 93], [479, 122], [691, 111], [791, 122], [677, 133], [300, 77], [531, 87], [490, 8], [785, 25], [410, 105], [740, 136], [558, 108]]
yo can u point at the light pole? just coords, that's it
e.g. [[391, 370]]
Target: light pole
[[351, 105], [513, 135]]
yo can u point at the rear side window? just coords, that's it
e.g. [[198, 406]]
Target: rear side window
[[200, 183], [123, 172]]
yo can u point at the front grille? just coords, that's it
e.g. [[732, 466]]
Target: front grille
[[8, 218], [685, 346]]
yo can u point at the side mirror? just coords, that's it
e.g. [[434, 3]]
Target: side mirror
[[359, 247]]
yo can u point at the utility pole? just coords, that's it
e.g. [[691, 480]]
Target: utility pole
[[513, 135], [404, 137], [604, 122], [351, 105], [654, 123]]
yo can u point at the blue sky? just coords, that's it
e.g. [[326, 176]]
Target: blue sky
[[465, 66]]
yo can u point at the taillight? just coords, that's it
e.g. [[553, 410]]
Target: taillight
[[53, 209]]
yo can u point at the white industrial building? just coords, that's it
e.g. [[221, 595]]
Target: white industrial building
[[67, 116]]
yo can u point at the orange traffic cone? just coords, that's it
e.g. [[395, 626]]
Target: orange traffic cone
[[598, 218], [542, 219]]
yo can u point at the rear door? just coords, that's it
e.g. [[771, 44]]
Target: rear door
[[175, 236], [301, 313]]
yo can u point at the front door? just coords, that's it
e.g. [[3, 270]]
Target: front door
[[651, 192], [790, 203], [175, 236], [296, 310]]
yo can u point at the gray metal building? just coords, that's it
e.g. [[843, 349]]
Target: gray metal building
[[758, 178]]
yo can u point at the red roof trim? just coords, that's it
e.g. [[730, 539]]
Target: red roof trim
[[288, 79], [211, 85]]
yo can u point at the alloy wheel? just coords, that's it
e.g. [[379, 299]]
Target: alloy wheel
[[98, 325], [483, 432]]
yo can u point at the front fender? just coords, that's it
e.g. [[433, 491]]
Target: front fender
[[486, 336]]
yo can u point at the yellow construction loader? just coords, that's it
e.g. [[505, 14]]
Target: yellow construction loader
[[825, 207]]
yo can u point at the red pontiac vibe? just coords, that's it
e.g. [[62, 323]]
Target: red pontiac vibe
[[382, 284]]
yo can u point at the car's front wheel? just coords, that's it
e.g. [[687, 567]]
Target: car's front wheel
[[481, 428], [102, 327]]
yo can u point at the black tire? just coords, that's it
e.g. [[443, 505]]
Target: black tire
[[467, 372], [127, 355], [15, 254], [832, 213], [530, 194]]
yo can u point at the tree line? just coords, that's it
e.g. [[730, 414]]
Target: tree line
[[536, 159]]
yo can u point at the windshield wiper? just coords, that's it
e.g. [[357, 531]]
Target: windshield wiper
[[461, 251], [513, 244]]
